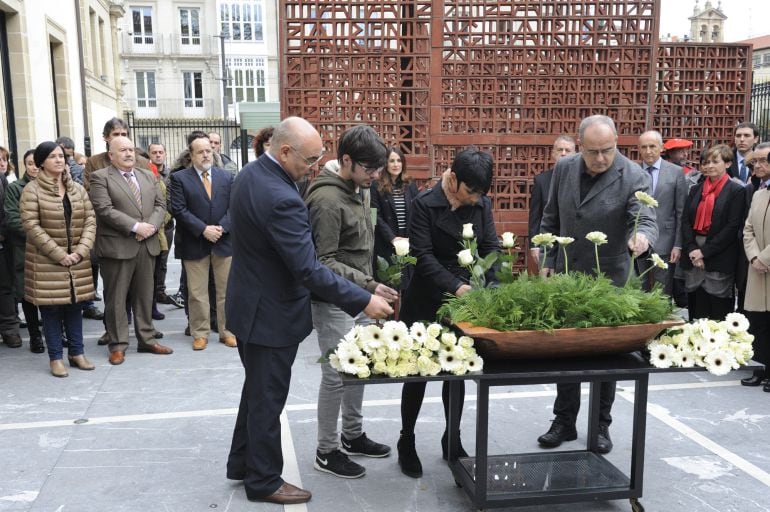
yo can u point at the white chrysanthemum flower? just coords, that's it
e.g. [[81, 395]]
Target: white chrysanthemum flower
[[658, 261], [564, 240], [434, 330], [449, 361], [679, 340], [396, 335], [334, 361], [597, 237], [381, 354], [546, 239], [364, 373], [474, 364], [425, 352], [719, 339], [448, 338], [371, 337], [347, 350], [661, 356], [418, 332], [353, 335], [460, 370], [646, 199], [353, 364], [393, 355], [687, 358], [719, 362], [380, 368], [509, 240], [736, 322], [427, 366], [743, 337]]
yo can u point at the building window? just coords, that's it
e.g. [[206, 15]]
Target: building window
[[142, 21], [146, 140], [189, 26], [248, 79], [242, 20], [193, 89], [145, 90]]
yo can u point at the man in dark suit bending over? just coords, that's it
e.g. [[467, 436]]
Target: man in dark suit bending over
[[274, 269]]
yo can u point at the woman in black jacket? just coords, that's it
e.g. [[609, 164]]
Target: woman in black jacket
[[392, 196], [435, 236], [713, 217]]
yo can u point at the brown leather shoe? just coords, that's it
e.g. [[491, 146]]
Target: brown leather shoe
[[117, 357], [80, 362], [155, 348], [58, 369], [229, 341], [200, 343], [288, 494]]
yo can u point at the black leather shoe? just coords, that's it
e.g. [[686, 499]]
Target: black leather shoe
[[408, 460], [603, 441], [36, 345], [104, 339], [557, 434], [445, 448], [93, 313], [766, 386], [754, 380]]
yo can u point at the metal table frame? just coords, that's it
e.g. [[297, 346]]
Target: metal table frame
[[472, 473]]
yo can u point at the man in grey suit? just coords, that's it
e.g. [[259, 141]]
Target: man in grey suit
[[129, 210], [669, 188], [594, 190]]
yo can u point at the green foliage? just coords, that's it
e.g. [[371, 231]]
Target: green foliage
[[390, 274], [560, 301]]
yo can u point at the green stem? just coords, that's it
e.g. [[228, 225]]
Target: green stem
[[633, 254], [566, 263], [596, 252]]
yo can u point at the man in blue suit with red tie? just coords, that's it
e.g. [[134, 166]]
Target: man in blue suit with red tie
[[274, 270], [199, 200]]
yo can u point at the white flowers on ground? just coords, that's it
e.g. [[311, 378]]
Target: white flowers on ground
[[396, 350], [717, 346]]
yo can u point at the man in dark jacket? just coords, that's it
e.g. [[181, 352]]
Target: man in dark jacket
[[268, 301], [341, 222]]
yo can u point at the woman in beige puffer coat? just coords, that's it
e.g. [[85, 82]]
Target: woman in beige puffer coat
[[61, 228]]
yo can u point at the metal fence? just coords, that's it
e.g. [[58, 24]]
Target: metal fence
[[760, 109], [172, 133]]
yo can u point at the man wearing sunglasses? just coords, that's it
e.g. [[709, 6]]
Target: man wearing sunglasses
[[341, 221]]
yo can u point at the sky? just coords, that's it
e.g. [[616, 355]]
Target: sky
[[745, 18]]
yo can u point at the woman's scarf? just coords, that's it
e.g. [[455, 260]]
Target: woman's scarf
[[705, 209]]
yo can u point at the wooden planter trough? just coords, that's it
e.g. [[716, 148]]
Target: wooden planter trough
[[500, 345]]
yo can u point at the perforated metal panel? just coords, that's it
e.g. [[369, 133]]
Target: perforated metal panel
[[436, 76]]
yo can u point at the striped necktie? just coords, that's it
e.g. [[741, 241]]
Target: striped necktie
[[133, 187]]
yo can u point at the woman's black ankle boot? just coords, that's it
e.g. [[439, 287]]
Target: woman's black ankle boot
[[407, 456], [445, 447]]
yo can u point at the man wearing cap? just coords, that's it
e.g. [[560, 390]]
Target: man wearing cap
[[676, 153], [746, 137]]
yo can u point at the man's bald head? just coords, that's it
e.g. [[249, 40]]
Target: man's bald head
[[121, 151], [297, 146]]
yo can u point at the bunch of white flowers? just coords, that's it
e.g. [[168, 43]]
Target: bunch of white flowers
[[396, 350], [717, 346]]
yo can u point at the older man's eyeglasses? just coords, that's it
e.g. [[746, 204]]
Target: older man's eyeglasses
[[310, 161]]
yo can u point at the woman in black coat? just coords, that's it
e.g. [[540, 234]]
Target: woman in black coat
[[435, 236], [392, 196], [713, 217]]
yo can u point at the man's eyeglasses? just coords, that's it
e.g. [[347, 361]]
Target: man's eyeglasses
[[593, 153], [310, 161]]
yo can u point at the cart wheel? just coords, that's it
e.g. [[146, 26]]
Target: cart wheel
[[636, 506]]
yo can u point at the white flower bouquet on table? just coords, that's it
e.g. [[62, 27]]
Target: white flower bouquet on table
[[717, 346], [396, 350]]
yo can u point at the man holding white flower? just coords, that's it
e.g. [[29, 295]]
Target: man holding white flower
[[595, 190], [341, 222]]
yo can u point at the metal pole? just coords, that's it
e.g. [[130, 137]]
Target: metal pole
[[222, 37]]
